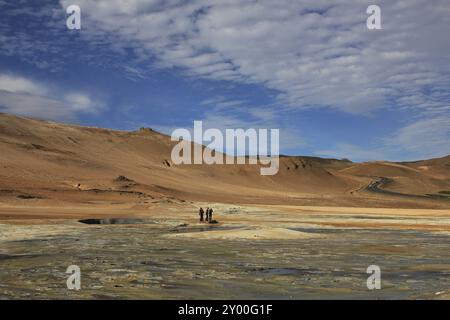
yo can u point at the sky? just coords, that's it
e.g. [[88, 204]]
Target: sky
[[311, 69]]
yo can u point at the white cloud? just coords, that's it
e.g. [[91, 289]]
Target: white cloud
[[13, 84], [316, 54], [81, 102], [23, 96], [426, 137], [222, 104], [422, 139]]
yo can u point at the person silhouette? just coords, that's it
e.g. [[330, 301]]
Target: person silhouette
[[210, 214], [201, 213], [207, 214]]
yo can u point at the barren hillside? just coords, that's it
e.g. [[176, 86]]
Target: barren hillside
[[60, 163]]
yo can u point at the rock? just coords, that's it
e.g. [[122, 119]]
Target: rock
[[123, 179]]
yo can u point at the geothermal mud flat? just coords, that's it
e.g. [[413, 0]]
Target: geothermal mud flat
[[263, 252]]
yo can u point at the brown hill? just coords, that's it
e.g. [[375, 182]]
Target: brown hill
[[65, 163], [415, 178]]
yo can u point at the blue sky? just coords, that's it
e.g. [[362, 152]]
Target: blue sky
[[310, 68]]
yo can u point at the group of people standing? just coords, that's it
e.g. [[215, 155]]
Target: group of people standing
[[206, 215]]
